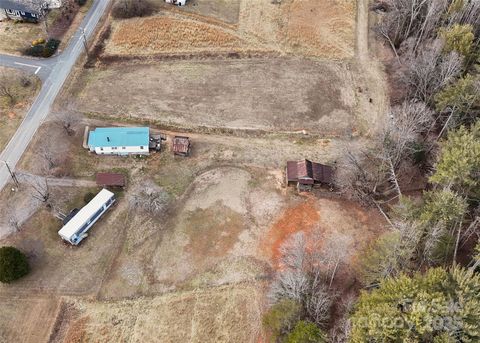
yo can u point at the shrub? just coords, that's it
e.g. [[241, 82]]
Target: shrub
[[281, 317], [51, 47], [81, 2], [38, 41], [88, 197], [13, 264], [306, 332], [132, 8], [43, 49], [36, 50]]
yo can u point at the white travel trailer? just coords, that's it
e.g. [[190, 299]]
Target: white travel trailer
[[75, 230]]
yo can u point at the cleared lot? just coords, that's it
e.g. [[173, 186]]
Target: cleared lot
[[275, 94]]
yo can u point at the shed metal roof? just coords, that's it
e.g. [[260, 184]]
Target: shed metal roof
[[181, 145], [119, 137], [110, 179], [85, 213], [308, 172]]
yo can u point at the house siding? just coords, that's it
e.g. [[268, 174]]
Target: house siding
[[120, 150]]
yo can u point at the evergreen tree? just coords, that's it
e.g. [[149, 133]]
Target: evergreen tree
[[13, 264], [459, 161], [439, 306], [458, 38], [444, 206], [306, 332], [461, 98], [282, 317]]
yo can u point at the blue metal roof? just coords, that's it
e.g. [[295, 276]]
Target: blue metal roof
[[119, 137]]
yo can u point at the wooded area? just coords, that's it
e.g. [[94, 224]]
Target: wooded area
[[422, 171]]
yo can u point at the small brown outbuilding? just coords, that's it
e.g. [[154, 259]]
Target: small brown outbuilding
[[110, 180], [181, 146], [306, 173]]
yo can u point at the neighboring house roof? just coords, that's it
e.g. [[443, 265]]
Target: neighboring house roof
[[119, 137], [110, 179], [308, 172], [30, 6]]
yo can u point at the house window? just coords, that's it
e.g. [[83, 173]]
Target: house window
[[141, 148], [101, 149], [123, 148]]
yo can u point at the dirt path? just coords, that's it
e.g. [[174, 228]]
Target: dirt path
[[56, 182], [373, 100], [361, 44]]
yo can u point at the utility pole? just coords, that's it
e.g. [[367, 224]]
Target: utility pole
[[84, 39], [12, 174]]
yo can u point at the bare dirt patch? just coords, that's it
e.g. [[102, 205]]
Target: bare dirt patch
[[302, 217], [342, 228], [278, 94]]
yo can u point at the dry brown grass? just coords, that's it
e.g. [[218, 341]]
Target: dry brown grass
[[27, 320], [15, 36], [12, 112], [325, 28], [223, 314], [167, 34], [313, 28]]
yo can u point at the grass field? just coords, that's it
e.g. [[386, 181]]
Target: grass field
[[292, 27], [278, 94], [223, 314]]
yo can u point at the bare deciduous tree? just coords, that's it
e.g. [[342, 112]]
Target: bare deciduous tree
[[50, 158], [430, 71], [7, 87], [410, 18], [150, 198], [68, 121], [301, 278]]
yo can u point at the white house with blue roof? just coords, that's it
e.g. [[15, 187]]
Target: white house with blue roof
[[119, 140]]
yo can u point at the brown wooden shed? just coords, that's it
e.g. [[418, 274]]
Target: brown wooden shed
[[181, 145], [110, 180], [306, 173]]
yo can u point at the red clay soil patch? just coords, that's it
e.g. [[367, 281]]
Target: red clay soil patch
[[303, 217]]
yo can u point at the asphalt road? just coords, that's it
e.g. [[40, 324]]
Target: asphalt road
[[53, 72]]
